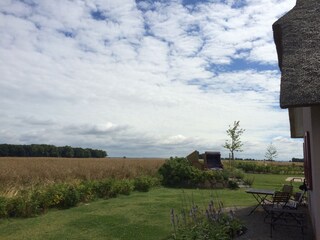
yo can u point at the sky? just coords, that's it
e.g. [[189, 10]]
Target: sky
[[143, 78]]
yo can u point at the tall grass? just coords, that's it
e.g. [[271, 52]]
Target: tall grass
[[21, 173]]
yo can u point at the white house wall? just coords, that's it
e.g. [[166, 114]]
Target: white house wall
[[311, 123]]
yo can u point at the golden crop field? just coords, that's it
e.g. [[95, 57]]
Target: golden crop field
[[21, 172]]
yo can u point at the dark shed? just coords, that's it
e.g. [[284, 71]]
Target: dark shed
[[212, 160]]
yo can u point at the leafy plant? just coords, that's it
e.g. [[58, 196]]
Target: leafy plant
[[211, 223], [124, 187], [87, 191], [22, 206], [257, 167], [105, 189], [142, 184], [248, 181], [178, 172], [70, 198], [65, 195], [233, 184], [3, 207]]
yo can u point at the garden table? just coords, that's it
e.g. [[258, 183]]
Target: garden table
[[260, 195]]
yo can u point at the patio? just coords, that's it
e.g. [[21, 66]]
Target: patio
[[259, 230]]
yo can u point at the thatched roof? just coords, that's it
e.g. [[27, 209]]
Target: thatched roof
[[297, 38]]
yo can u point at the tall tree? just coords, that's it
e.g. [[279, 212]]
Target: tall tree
[[271, 152], [234, 144]]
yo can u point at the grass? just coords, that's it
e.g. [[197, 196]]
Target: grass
[[137, 216]]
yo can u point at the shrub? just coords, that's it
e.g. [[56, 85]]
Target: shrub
[[54, 195], [16, 207], [273, 168], [87, 191], [22, 206], [105, 189], [178, 172], [143, 183], [62, 195], [59, 195], [237, 173], [3, 207], [248, 181], [233, 184], [220, 175], [70, 198], [124, 187]]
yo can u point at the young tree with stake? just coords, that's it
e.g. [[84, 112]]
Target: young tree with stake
[[271, 152], [234, 144]]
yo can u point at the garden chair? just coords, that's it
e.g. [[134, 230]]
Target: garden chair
[[287, 188], [284, 211], [279, 200], [296, 201], [298, 198]]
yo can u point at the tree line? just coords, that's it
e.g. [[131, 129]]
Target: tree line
[[43, 150], [297, 160]]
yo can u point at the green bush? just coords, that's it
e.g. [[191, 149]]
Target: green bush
[[22, 206], [124, 186], [218, 175], [59, 195], [87, 191], [63, 195], [233, 184], [3, 207], [237, 173], [178, 172], [54, 195], [16, 207], [254, 167], [105, 189], [70, 198], [143, 183], [248, 181], [40, 199]]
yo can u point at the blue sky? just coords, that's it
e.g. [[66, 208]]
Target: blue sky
[[142, 78]]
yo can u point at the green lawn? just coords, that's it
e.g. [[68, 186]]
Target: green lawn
[[138, 216]]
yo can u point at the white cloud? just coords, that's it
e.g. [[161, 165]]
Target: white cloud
[[140, 79]]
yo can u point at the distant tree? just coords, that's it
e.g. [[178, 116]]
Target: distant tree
[[271, 152], [297, 159], [53, 151], [78, 152], [43, 150], [67, 152], [234, 144], [19, 151], [4, 150], [87, 153]]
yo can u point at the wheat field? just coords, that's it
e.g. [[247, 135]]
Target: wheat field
[[18, 173]]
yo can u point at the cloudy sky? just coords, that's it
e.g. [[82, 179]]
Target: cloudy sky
[[142, 78]]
